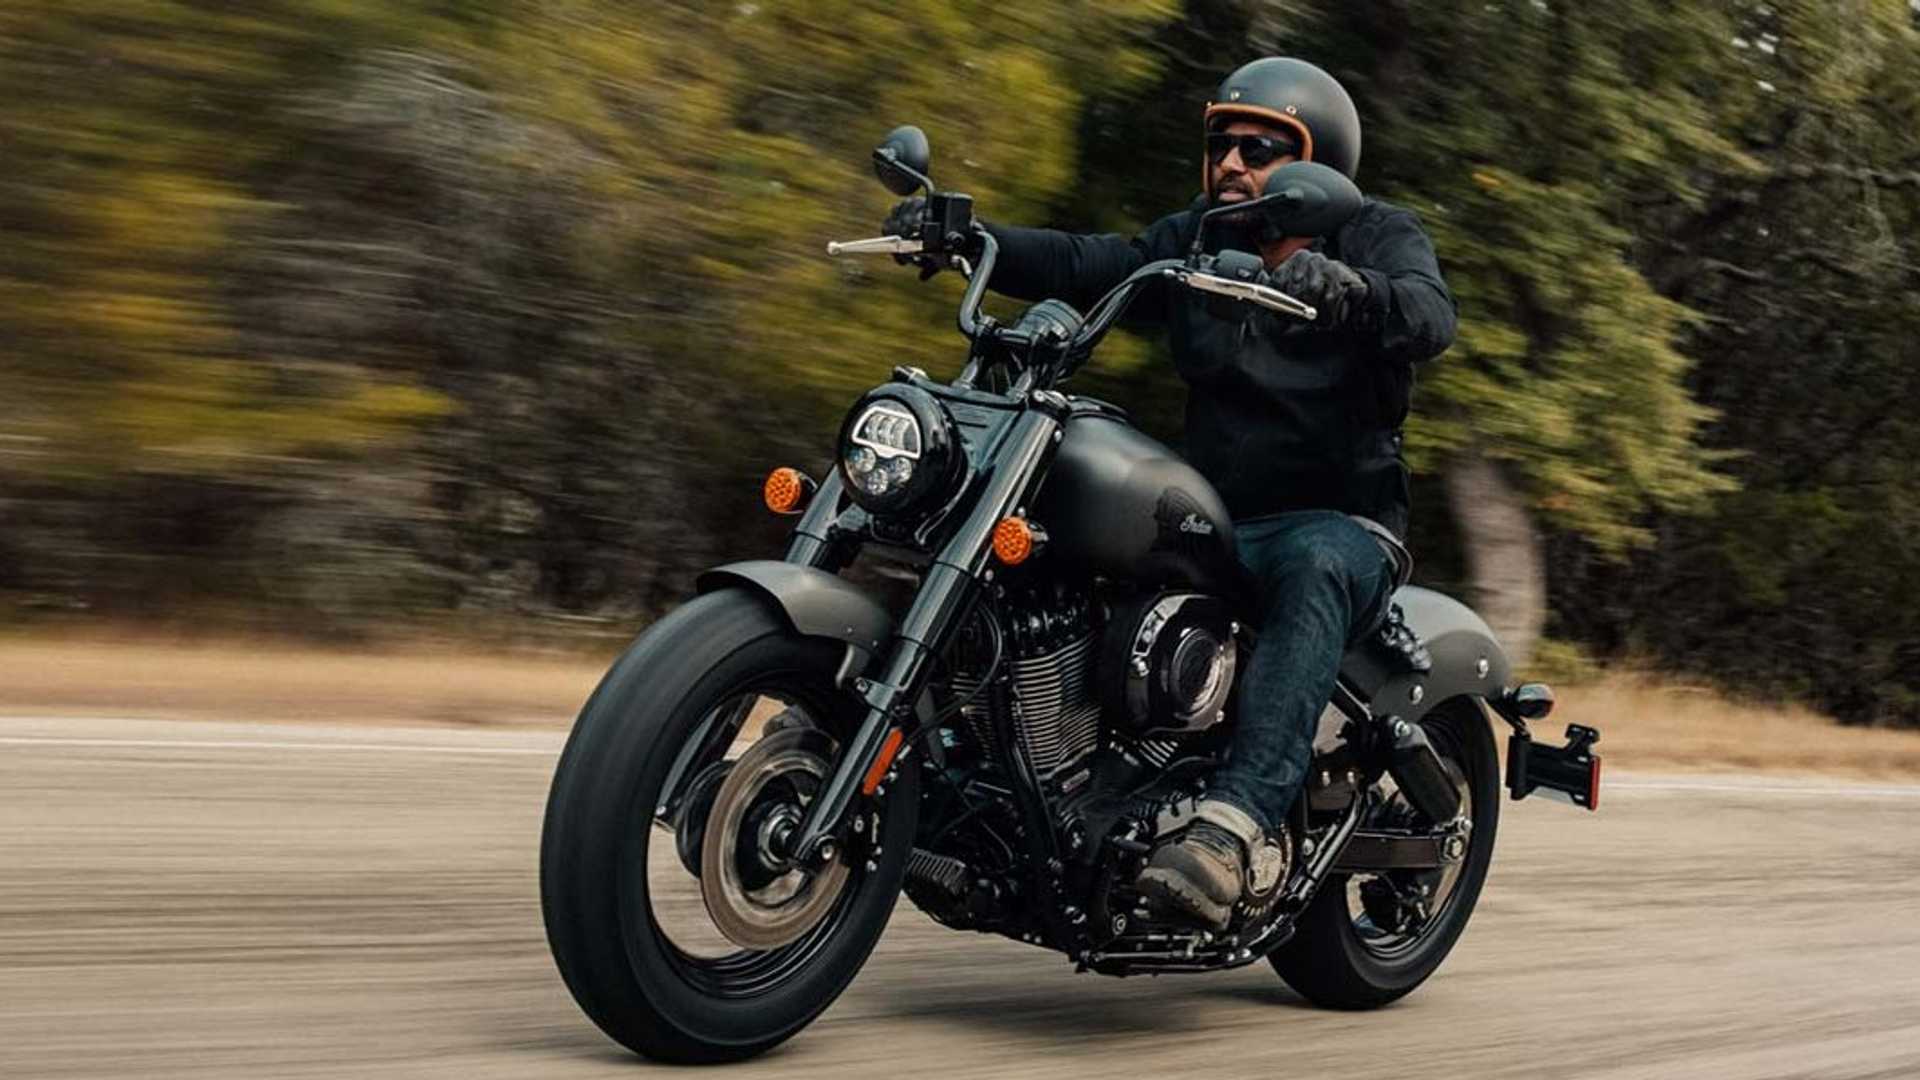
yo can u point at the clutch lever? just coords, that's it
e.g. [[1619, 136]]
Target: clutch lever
[[1264, 295]]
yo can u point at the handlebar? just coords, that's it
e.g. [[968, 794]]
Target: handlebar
[[1105, 312]]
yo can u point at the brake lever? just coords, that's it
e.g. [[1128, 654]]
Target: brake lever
[[879, 245], [1264, 295]]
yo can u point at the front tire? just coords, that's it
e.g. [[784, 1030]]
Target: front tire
[[610, 923], [1339, 956]]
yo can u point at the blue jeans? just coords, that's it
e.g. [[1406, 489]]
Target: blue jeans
[[1324, 586]]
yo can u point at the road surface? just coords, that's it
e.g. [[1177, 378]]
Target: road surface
[[231, 900]]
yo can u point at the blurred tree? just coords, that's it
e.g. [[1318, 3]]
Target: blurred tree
[[1805, 272], [132, 136], [1522, 133], [486, 305], [457, 306]]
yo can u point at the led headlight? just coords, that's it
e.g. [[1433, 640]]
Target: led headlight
[[898, 452]]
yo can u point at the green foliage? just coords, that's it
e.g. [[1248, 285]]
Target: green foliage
[[484, 305], [1804, 271], [130, 133]]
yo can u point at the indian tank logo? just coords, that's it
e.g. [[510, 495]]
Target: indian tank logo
[[1182, 527]]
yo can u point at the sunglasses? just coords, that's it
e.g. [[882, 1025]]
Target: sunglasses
[[1256, 151]]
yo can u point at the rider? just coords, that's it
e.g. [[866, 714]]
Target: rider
[[1298, 427]]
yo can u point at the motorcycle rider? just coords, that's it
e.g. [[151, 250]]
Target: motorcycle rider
[[1297, 427]]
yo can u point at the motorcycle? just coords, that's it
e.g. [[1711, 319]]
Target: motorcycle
[[767, 768]]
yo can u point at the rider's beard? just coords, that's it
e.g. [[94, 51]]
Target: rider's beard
[[1241, 184], [1252, 223]]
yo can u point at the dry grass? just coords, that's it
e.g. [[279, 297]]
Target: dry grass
[[1646, 723], [1650, 723], [229, 680]]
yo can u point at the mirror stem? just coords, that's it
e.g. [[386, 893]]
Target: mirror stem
[[892, 161], [1207, 218]]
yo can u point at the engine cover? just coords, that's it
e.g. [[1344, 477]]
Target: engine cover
[[1167, 663]]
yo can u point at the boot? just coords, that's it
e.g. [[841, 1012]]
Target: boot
[[1202, 872]]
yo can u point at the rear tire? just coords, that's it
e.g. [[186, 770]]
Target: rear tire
[[627, 973], [1329, 962]]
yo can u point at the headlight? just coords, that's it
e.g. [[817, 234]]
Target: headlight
[[898, 453]]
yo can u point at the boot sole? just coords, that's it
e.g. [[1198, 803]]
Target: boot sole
[[1174, 892]]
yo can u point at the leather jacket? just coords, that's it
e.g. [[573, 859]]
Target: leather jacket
[[1279, 416]]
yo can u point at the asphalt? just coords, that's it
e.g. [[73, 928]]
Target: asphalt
[[237, 900]]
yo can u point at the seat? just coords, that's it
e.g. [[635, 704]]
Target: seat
[[1396, 552]]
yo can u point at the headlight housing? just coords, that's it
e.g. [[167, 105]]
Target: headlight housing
[[898, 453]]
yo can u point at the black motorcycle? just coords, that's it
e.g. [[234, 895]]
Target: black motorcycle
[[763, 772]]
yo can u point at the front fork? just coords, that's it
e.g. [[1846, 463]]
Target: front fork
[[958, 569]]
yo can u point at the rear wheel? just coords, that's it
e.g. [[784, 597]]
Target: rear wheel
[[1369, 939], [673, 918]]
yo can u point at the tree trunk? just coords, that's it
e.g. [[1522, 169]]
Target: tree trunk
[[1506, 560]]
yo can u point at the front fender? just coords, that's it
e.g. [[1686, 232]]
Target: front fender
[[814, 602], [1467, 659]]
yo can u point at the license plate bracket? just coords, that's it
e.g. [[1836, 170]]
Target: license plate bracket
[[1569, 773]]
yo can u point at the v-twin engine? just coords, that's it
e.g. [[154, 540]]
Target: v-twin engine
[[1056, 714], [1161, 668]]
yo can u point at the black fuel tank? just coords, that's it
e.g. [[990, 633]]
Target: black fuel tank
[[1124, 505]]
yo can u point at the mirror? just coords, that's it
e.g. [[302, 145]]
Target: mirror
[[1305, 199], [901, 160]]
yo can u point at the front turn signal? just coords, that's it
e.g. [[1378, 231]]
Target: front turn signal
[[1015, 540], [788, 491]]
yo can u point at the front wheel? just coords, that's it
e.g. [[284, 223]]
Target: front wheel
[[674, 921], [1369, 939]]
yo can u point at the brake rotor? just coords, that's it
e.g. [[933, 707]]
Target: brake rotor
[[756, 898]]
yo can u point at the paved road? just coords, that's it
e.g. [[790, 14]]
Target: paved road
[[202, 900]]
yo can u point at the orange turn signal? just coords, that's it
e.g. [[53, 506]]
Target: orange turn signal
[[1012, 540], [888, 751], [787, 491]]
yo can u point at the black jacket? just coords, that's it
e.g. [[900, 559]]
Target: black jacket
[[1279, 416]]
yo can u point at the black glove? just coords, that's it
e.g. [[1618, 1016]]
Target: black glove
[[1331, 286], [905, 220]]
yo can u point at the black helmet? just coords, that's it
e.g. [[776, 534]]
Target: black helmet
[[1296, 95]]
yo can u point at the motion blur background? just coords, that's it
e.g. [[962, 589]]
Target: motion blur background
[[361, 322]]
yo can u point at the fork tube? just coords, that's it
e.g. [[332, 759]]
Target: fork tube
[[811, 543], [944, 598]]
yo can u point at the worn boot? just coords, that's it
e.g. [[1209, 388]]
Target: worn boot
[[1203, 871]]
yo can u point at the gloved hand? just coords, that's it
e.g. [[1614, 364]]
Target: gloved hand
[[1331, 286], [905, 220]]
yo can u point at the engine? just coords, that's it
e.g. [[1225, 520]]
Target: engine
[[1135, 674], [1049, 653], [1166, 664], [1101, 699]]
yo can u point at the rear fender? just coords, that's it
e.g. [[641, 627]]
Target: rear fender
[[1467, 659]]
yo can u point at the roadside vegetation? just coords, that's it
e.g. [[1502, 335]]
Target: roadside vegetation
[[339, 319]]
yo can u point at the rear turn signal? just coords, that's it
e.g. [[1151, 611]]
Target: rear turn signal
[[1015, 540], [788, 491]]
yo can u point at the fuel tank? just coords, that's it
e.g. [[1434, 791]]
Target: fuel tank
[[1124, 505]]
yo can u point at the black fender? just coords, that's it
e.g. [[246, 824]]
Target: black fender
[[814, 602], [818, 604], [1467, 659]]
